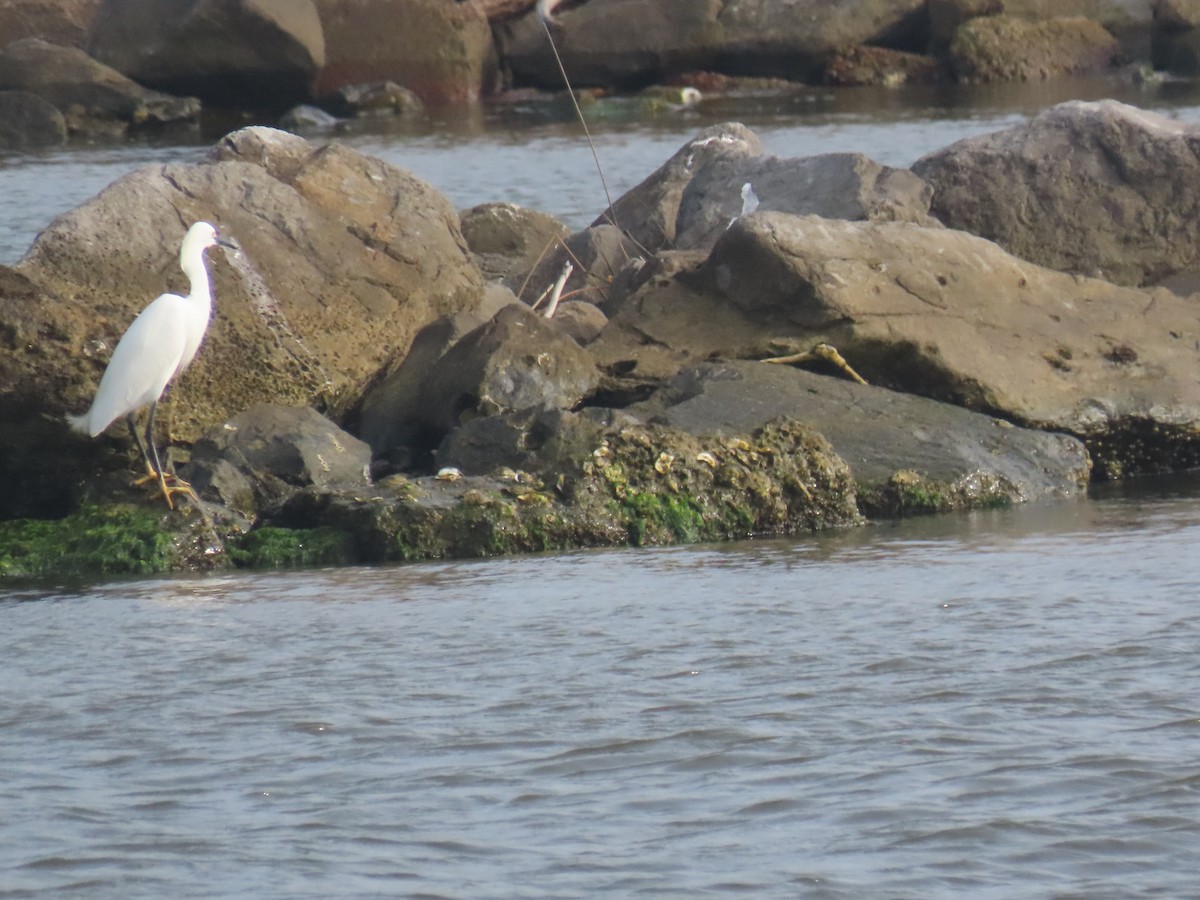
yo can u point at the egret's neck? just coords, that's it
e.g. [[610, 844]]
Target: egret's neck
[[197, 274]]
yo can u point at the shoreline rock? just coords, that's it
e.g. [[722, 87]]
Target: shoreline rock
[[92, 97], [668, 417], [268, 58]]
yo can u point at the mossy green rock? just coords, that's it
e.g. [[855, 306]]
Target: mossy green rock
[[115, 540], [285, 548], [639, 485]]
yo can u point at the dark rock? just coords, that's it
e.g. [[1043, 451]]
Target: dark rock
[[304, 118], [1082, 188], [509, 240], [905, 453], [945, 17], [441, 51], [62, 22], [272, 449], [1175, 15], [636, 484], [538, 441], [631, 43], [581, 320], [379, 98], [862, 65], [232, 487], [1004, 48], [648, 212], [92, 96], [1175, 41], [963, 458], [26, 120], [1177, 52], [393, 419], [597, 256], [235, 53], [515, 361]]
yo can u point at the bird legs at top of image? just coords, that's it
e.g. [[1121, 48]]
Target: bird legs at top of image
[[820, 353], [154, 468]]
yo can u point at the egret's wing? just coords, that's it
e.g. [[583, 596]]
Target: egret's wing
[[145, 359]]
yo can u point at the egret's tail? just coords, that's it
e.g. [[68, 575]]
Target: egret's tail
[[81, 423]]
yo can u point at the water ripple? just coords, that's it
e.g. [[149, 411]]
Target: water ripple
[[1001, 704]]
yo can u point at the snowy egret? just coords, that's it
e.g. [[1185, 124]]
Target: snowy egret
[[160, 344]]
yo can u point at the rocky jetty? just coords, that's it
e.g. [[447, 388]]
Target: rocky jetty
[[754, 345], [408, 55]]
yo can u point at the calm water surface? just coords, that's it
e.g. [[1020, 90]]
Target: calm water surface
[[996, 705]]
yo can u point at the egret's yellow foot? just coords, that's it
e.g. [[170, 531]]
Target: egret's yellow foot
[[176, 486], [824, 352]]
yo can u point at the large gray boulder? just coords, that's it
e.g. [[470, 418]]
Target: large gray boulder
[[953, 317], [26, 120], [259, 456], [648, 212], [690, 200], [905, 453], [1005, 48], [1099, 189], [508, 240], [441, 51], [344, 259], [392, 415], [236, 53], [1128, 20], [889, 440], [834, 185], [93, 97], [623, 43], [515, 361], [62, 22]]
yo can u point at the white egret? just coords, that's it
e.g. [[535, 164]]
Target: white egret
[[157, 346]]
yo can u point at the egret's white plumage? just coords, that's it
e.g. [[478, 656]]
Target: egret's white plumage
[[749, 199], [159, 344]]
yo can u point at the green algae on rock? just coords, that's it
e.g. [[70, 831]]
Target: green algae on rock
[[640, 485], [287, 548], [908, 493], [112, 540]]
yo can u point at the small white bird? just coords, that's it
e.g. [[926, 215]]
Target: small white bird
[[749, 204], [749, 199], [157, 346]]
